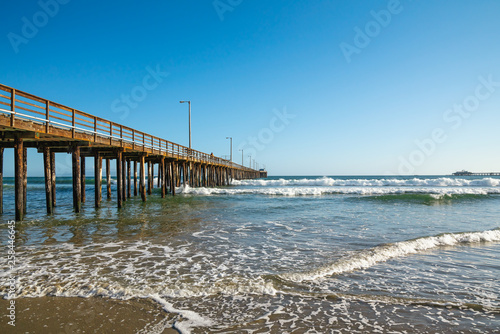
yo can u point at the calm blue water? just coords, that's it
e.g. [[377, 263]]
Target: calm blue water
[[282, 255]]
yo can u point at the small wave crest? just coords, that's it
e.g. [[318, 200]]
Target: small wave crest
[[384, 182], [318, 191], [370, 257]]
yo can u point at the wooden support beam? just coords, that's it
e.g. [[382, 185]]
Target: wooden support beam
[[209, 175], [1, 180], [202, 176], [124, 178], [25, 179], [179, 174], [142, 187], [128, 179], [152, 176], [194, 173], [18, 187], [135, 178], [82, 177], [199, 175], [184, 174], [108, 178], [191, 174], [47, 169], [168, 174], [119, 181], [98, 179], [53, 177], [150, 179], [161, 173], [24, 134], [173, 177], [77, 192]]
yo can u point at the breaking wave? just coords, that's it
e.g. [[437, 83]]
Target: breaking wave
[[347, 190], [370, 257], [385, 182]]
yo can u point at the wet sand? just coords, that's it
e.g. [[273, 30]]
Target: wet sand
[[85, 315]]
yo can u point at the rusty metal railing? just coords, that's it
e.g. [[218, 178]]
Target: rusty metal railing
[[22, 105]]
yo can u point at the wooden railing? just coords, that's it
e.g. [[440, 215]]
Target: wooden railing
[[22, 105]]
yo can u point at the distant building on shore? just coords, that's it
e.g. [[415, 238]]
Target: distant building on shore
[[462, 173]]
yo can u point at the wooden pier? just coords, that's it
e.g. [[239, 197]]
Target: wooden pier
[[466, 173], [29, 121]]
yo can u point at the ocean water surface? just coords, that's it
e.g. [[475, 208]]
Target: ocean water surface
[[301, 254]]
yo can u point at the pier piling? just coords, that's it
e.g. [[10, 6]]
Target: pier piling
[[135, 178], [1, 179], [149, 178], [82, 177], [161, 174], [173, 178], [124, 178], [129, 194], [53, 177], [48, 179], [77, 193], [18, 179], [119, 176], [25, 178], [142, 187], [98, 179], [108, 178]]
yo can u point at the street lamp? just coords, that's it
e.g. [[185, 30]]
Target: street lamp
[[231, 140], [250, 165], [241, 156], [188, 102]]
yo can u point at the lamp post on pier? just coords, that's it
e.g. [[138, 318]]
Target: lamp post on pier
[[188, 102], [231, 150], [242, 157]]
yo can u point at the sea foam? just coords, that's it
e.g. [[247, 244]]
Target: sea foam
[[370, 257], [385, 182], [346, 190]]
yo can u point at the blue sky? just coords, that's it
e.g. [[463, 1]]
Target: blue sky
[[307, 88]]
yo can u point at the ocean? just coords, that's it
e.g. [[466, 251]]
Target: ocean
[[295, 254]]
